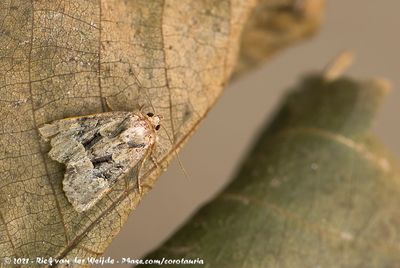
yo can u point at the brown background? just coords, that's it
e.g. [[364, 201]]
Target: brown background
[[370, 28]]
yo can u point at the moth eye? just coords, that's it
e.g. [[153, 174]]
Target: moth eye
[[150, 114], [157, 127]]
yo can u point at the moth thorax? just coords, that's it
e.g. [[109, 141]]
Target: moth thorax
[[138, 132]]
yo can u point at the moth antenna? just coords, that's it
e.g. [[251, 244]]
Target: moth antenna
[[141, 108], [181, 166], [149, 99], [145, 93], [176, 154], [166, 132]]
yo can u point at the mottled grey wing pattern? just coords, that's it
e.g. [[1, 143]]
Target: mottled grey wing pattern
[[97, 150]]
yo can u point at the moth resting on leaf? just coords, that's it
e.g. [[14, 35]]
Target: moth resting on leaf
[[98, 150]]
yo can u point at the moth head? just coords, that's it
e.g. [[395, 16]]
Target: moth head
[[154, 120]]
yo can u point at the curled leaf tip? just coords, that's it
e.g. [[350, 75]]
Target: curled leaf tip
[[311, 8], [383, 84], [338, 65]]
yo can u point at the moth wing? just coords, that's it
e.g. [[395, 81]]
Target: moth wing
[[102, 154], [97, 150], [63, 134], [84, 186], [69, 125], [80, 185]]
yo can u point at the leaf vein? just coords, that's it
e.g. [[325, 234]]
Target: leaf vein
[[35, 122]]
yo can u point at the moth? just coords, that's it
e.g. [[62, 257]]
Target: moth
[[98, 150]]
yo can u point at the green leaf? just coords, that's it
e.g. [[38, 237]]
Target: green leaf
[[317, 190]]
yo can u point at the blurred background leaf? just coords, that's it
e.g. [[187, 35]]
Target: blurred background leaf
[[317, 190]]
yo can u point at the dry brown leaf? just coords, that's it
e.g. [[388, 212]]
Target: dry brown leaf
[[274, 25], [69, 58]]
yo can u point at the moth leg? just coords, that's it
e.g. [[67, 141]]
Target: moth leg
[[153, 158], [149, 152], [155, 161], [139, 185]]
